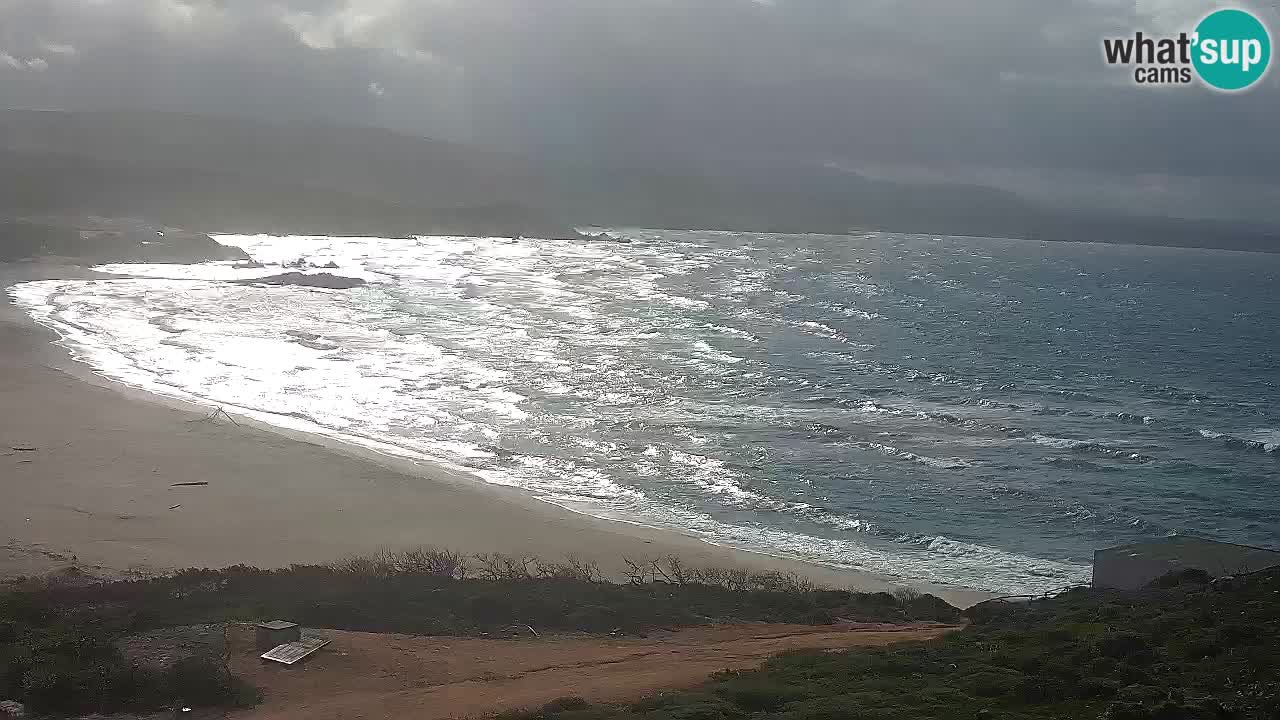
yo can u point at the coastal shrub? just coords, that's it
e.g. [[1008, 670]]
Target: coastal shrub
[[1124, 645], [574, 567], [58, 639], [663, 700], [421, 592], [1143, 655], [500, 566], [1096, 687], [1197, 645], [905, 595], [711, 709], [752, 695], [1186, 576], [835, 709], [421, 561], [1190, 650], [379, 565], [818, 616], [433, 562], [991, 681], [569, 707], [200, 681], [93, 678]]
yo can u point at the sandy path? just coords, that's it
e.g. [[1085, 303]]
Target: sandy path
[[371, 676]]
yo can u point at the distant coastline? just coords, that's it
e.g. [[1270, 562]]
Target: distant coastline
[[207, 174]]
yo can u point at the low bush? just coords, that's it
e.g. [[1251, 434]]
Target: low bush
[[1158, 654], [51, 672], [750, 694], [58, 640], [1188, 650]]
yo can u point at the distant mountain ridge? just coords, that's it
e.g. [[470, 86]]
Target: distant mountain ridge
[[223, 174]]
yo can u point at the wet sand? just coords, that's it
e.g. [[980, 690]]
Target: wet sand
[[90, 473]]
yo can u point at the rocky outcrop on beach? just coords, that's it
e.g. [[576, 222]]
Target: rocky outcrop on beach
[[319, 280]]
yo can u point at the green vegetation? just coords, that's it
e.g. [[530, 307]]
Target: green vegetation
[[1184, 648], [64, 658], [60, 642]]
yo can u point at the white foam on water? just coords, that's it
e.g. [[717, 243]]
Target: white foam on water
[[734, 332], [1266, 440], [822, 330], [704, 349], [442, 357], [1059, 443], [1098, 447], [712, 476], [899, 453]]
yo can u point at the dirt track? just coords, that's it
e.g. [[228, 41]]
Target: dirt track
[[363, 675]]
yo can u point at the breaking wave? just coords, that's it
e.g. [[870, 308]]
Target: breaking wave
[[1266, 440]]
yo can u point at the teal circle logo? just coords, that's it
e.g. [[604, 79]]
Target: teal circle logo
[[1232, 49]]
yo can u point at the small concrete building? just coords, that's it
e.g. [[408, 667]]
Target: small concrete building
[[276, 632], [1128, 567]]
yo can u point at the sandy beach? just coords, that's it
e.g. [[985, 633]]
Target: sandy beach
[[91, 470]]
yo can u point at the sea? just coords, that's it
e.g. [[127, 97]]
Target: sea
[[972, 412]]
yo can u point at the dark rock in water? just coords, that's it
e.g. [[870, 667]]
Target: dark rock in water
[[311, 340], [606, 237], [320, 280]]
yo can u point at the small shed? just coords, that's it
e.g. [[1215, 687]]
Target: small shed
[[276, 632], [1128, 567]]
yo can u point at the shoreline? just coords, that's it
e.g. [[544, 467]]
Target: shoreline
[[98, 492]]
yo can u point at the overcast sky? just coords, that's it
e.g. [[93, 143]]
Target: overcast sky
[[1012, 92]]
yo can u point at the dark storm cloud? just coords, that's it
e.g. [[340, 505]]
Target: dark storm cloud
[[928, 83]]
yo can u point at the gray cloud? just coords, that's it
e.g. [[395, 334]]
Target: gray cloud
[[955, 85], [36, 64]]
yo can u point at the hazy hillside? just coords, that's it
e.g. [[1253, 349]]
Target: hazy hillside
[[822, 201], [224, 174], [362, 161], [220, 174], [802, 200], [217, 201]]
